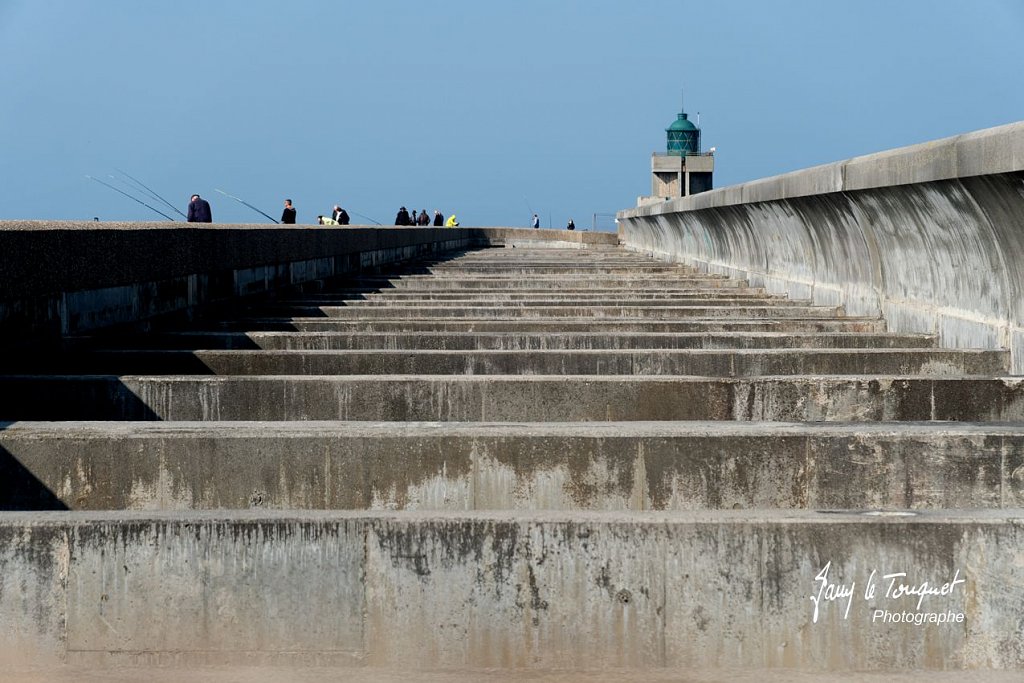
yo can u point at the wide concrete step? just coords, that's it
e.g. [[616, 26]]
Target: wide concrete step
[[527, 289], [491, 270], [505, 398], [698, 362], [524, 261], [495, 466], [549, 265], [519, 295], [533, 253], [565, 300], [517, 257], [538, 282], [553, 326], [277, 666], [485, 274], [691, 591], [512, 340], [514, 311]]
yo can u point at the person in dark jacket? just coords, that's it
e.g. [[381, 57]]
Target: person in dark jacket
[[424, 219], [403, 217], [570, 225], [438, 219], [288, 215], [199, 210], [340, 215]]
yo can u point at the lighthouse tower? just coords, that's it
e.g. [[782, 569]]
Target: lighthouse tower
[[683, 169]]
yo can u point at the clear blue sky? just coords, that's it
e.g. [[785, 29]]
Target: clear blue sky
[[476, 107]]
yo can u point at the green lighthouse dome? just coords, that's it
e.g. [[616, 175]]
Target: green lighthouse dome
[[682, 122], [683, 136]]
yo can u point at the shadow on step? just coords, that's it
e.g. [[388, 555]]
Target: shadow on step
[[20, 489], [61, 397]]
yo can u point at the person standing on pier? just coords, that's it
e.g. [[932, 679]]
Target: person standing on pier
[[288, 215], [438, 219], [536, 222], [199, 210]]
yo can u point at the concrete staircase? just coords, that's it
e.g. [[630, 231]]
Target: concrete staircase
[[521, 457]]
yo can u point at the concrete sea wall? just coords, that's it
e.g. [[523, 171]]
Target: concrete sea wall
[[68, 278], [929, 236]]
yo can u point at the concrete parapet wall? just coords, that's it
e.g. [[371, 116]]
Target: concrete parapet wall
[[691, 590], [65, 278], [927, 236]]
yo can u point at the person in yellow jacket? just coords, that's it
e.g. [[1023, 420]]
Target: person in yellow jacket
[[451, 222]]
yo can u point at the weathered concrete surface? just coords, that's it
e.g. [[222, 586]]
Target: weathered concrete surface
[[372, 297], [642, 312], [553, 325], [512, 339], [645, 567], [130, 673], [693, 591], [501, 466], [621, 299], [498, 283], [638, 362], [533, 398], [927, 236]]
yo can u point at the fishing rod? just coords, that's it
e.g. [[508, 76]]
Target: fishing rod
[[130, 186], [151, 192], [532, 212], [242, 201], [367, 218], [134, 199], [135, 189]]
